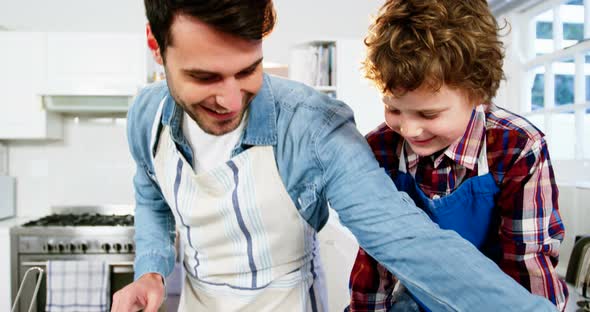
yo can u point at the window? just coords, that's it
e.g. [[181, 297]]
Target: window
[[557, 75]]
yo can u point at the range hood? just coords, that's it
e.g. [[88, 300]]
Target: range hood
[[84, 99], [87, 103]]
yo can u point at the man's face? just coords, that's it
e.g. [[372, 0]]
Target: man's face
[[212, 75], [429, 121]]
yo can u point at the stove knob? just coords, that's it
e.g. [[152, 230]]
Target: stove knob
[[72, 247], [49, 247], [106, 247], [117, 247], [83, 247], [61, 247], [128, 247]]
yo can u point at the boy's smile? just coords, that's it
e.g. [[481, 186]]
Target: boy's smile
[[429, 120]]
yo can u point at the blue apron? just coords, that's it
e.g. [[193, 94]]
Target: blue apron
[[469, 211]]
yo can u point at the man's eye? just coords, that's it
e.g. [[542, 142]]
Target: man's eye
[[245, 73], [204, 79]]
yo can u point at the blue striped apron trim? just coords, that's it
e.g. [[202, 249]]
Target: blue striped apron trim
[[243, 227], [314, 304], [176, 188]]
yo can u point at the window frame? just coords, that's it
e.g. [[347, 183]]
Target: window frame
[[524, 25]]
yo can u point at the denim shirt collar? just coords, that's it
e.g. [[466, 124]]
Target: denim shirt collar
[[262, 118]]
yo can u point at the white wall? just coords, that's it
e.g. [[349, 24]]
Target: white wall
[[297, 21], [73, 15], [90, 166]]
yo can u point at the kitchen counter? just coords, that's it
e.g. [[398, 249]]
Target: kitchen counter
[[574, 297], [5, 268]]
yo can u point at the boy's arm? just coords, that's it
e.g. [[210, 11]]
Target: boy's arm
[[531, 229]]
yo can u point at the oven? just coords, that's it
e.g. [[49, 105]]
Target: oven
[[71, 237]]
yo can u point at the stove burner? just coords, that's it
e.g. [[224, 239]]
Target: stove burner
[[84, 219]]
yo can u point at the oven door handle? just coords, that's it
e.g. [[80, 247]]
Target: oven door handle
[[116, 267]]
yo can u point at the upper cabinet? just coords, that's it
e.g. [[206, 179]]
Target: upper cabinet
[[103, 64], [44, 74], [94, 72], [22, 60]]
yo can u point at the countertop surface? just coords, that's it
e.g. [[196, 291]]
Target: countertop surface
[[6, 224], [574, 297]]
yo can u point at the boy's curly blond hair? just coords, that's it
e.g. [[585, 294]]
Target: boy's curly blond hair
[[434, 42]]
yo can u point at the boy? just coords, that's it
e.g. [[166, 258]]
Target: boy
[[473, 167]]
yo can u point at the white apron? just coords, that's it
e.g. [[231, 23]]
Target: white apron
[[246, 247]]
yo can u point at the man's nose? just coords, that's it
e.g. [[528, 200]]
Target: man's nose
[[230, 95]]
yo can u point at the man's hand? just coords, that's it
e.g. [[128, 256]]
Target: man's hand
[[146, 293]]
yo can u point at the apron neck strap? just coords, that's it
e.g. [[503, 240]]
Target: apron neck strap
[[402, 159]]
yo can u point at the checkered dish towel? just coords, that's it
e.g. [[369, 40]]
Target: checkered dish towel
[[77, 286]]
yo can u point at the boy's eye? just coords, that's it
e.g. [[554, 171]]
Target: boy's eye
[[393, 111], [429, 115]]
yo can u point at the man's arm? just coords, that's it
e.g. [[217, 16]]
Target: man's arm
[[154, 229], [444, 271], [154, 221], [532, 230]]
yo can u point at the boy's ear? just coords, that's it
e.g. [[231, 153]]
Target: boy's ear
[[153, 45]]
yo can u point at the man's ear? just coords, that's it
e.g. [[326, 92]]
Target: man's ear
[[153, 45]]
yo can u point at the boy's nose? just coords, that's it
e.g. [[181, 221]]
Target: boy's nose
[[409, 129]]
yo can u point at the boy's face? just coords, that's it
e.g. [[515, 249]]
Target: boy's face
[[212, 75], [429, 120]]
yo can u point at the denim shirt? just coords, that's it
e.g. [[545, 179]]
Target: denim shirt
[[322, 158]]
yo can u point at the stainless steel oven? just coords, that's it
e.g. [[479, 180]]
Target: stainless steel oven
[[71, 237]]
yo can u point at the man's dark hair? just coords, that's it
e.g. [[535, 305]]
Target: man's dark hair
[[247, 19]]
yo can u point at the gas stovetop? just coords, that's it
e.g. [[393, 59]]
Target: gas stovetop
[[83, 219], [78, 230]]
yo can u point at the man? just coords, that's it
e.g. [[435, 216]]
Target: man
[[244, 165]]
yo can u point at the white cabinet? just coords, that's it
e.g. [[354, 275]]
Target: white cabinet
[[334, 67], [102, 64], [22, 75], [94, 72]]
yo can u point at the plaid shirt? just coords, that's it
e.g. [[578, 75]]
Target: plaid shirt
[[530, 229]]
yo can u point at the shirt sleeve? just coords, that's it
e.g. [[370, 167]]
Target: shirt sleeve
[[154, 221], [445, 272], [155, 228], [531, 229]]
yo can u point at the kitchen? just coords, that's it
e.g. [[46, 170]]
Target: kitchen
[[77, 156]]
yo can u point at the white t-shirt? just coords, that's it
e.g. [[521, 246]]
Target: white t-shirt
[[209, 151]]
